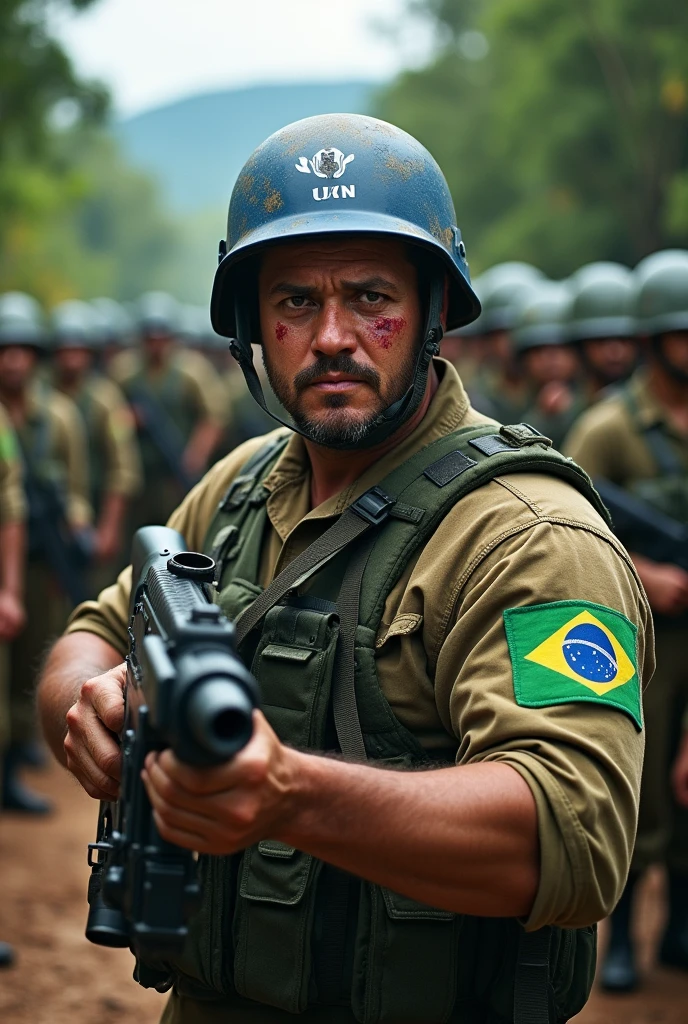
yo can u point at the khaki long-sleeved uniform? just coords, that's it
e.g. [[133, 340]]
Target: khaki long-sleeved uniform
[[53, 435], [443, 659], [12, 510], [608, 442]]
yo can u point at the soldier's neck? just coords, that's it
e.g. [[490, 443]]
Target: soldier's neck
[[333, 470], [16, 403]]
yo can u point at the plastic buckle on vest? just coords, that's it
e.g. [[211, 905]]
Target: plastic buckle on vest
[[373, 506], [237, 493], [522, 435]]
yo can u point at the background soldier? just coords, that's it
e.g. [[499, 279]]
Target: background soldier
[[12, 556], [467, 608], [548, 364], [178, 407], [601, 323], [499, 383], [113, 457], [638, 440], [55, 472]]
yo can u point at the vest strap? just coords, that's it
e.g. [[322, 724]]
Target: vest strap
[[346, 720], [532, 979], [369, 511]]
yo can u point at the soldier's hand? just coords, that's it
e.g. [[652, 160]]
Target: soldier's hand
[[93, 723], [12, 615], [679, 774], [666, 586], [224, 809]]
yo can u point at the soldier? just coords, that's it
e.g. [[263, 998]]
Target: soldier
[[504, 394], [12, 556], [113, 457], [638, 440], [53, 451], [114, 330], [602, 325], [548, 364], [491, 627], [178, 406]]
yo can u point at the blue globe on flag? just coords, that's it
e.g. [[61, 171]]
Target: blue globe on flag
[[590, 654]]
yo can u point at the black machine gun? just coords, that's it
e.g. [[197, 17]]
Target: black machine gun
[[186, 689], [643, 528]]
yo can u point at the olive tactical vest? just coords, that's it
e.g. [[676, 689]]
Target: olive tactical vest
[[280, 927], [668, 490]]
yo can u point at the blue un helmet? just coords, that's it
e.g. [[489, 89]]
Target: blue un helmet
[[342, 174]]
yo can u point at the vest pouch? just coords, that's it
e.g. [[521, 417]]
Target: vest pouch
[[405, 963], [293, 665], [272, 925], [236, 597]]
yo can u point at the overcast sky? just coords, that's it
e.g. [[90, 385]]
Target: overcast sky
[[153, 51]]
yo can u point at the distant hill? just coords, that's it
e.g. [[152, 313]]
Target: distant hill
[[197, 146]]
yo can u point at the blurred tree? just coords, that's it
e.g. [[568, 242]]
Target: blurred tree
[[562, 128], [74, 218]]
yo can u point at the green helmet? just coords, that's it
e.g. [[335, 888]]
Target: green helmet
[[504, 288], [21, 321], [662, 299], [113, 322], [602, 302], [541, 318], [339, 175], [158, 313], [74, 325]]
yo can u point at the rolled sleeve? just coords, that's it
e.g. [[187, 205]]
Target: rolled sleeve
[[582, 761]]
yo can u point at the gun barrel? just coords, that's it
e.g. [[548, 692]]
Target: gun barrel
[[220, 717]]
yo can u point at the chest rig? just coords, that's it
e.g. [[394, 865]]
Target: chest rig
[[668, 490], [278, 926]]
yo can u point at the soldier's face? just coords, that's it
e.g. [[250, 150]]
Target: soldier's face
[[16, 367], [611, 359], [675, 349], [341, 325], [71, 363], [549, 363]]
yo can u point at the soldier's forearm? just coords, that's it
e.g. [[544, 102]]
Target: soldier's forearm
[[463, 839], [13, 548], [74, 659]]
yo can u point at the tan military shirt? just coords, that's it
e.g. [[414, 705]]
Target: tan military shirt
[[206, 384], [12, 500], [606, 441], [111, 423], [443, 659]]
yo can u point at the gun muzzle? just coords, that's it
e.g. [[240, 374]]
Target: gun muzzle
[[219, 716]]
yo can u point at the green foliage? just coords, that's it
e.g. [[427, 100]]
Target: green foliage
[[75, 220], [568, 142]]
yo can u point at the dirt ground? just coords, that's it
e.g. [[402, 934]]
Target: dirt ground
[[60, 978]]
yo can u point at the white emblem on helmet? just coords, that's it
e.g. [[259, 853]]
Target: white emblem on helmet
[[327, 163]]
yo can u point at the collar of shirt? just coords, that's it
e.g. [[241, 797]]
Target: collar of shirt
[[289, 481]]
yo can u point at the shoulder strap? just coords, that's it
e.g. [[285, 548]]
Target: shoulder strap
[[243, 500], [440, 475], [662, 451]]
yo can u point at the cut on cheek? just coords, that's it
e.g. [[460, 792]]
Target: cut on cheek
[[384, 329], [281, 330]]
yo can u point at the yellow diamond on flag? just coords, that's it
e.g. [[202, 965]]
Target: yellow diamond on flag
[[585, 650]]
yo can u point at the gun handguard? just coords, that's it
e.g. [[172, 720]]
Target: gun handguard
[[186, 690]]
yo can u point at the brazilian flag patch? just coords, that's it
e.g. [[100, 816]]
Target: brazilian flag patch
[[574, 651]]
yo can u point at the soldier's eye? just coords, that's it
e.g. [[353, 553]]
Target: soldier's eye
[[297, 301], [372, 296]]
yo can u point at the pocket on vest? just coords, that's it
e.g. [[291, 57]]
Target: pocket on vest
[[272, 925], [406, 960]]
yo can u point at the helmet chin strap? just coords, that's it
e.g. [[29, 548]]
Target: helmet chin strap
[[390, 419]]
